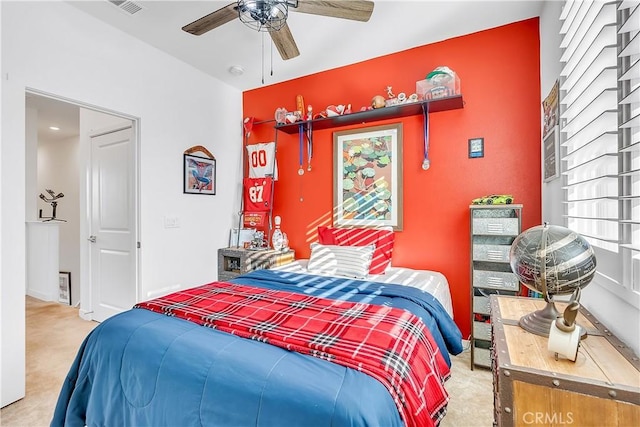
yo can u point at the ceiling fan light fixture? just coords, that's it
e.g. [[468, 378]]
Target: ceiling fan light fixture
[[264, 15]]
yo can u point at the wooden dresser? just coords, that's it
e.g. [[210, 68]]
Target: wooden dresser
[[531, 387]]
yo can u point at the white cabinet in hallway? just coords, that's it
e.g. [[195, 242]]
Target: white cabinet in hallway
[[43, 259]]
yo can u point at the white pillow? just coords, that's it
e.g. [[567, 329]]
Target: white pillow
[[349, 261]]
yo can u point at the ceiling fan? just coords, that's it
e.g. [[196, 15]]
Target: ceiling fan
[[271, 16]]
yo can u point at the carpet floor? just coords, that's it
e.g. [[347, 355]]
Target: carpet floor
[[55, 332]]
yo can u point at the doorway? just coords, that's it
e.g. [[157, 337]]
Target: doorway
[[64, 162]]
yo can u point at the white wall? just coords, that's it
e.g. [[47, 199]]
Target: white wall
[[31, 158], [617, 309], [550, 53], [58, 166], [12, 238], [64, 52]]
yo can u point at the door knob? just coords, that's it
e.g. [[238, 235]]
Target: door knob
[[92, 239]]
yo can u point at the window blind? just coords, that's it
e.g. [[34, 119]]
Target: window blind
[[629, 120], [600, 136]]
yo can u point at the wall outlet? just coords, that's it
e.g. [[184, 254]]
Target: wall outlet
[[171, 222]]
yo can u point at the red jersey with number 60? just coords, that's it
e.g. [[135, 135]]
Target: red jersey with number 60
[[262, 160], [257, 194]]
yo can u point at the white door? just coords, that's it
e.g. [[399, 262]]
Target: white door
[[113, 241]]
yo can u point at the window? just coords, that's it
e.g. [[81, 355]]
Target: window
[[600, 133]]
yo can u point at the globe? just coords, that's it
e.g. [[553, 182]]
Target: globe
[[551, 260]]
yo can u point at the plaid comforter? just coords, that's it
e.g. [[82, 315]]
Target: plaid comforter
[[390, 344]]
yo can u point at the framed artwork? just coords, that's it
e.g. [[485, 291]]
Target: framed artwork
[[551, 110], [199, 175], [476, 148], [367, 177], [64, 287], [551, 154]]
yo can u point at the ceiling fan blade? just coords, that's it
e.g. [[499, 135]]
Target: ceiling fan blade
[[213, 20], [357, 10], [283, 39]]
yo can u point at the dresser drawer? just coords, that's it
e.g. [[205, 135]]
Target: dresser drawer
[[496, 226], [481, 353], [492, 253], [481, 305], [495, 280], [482, 330]]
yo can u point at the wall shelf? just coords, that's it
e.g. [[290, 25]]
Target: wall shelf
[[306, 127], [396, 111]]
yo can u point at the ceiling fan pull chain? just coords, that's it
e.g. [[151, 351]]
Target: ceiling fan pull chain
[[271, 56], [262, 52]]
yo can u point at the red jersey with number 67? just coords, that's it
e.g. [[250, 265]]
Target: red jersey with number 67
[[257, 194]]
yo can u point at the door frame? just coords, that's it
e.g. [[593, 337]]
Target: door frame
[[86, 308]]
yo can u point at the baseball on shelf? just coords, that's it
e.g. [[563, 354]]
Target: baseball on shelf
[[377, 101]]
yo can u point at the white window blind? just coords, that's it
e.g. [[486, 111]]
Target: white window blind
[[599, 126], [629, 106]]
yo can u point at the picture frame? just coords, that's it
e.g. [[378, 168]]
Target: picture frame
[[551, 154], [551, 110], [241, 237], [199, 175], [64, 287], [367, 177], [476, 148]]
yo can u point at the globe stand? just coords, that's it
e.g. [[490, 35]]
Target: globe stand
[[539, 321]]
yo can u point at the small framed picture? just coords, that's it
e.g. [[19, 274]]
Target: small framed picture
[[476, 148], [199, 175], [64, 287]]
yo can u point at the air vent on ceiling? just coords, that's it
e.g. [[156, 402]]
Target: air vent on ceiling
[[126, 6]]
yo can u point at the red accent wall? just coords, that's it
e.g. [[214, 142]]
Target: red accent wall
[[499, 71]]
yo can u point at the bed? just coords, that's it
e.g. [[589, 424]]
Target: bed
[[429, 281], [173, 361]]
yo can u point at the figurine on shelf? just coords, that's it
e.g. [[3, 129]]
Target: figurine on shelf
[[293, 117], [53, 201], [281, 115], [258, 242], [390, 92], [300, 105]]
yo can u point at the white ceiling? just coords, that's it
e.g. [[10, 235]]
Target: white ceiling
[[324, 42], [52, 112]]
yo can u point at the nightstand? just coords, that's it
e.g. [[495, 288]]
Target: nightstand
[[233, 262], [531, 387]]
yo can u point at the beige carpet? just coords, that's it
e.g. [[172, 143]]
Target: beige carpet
[[54, 333]]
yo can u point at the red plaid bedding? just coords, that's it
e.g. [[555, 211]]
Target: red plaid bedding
[[390, 344]]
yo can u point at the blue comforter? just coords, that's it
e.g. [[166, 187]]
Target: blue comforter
[[140, 368]]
